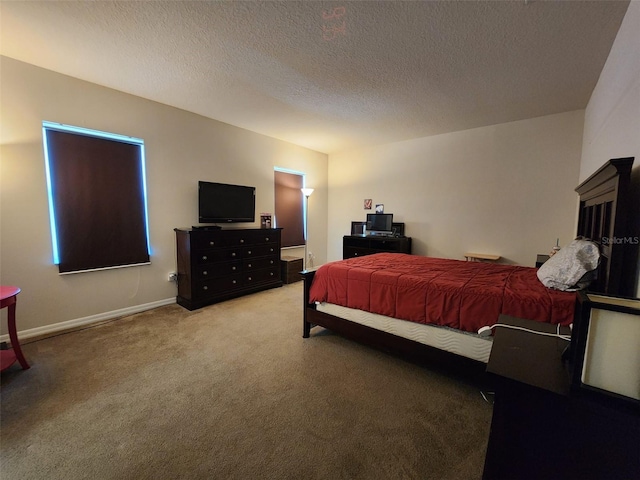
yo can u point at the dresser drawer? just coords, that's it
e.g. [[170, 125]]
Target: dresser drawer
[[241, 238], [260, 250], [218, 269], [266, 236], [212, 239], [252, 264], [260, 276], [208, 288], [203, 257]]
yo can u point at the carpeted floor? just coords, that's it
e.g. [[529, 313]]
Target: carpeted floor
[[233, 391]]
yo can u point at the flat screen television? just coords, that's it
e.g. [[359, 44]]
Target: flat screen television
[[379, 223], [224, 203]]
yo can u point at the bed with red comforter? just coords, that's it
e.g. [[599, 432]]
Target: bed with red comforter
[[453, 295]]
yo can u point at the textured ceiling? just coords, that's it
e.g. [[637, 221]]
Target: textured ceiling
[[374, 72]]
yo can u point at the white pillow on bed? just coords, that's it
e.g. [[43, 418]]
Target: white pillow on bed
[[572, 268]]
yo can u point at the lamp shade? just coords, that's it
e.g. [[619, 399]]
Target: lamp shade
[[307, 191]]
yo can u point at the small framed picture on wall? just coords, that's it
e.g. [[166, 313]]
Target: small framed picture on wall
[[367, 203], [379, 208]]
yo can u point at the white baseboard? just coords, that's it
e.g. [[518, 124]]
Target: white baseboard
[[81, 322]]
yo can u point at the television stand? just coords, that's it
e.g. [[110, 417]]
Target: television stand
[[358, 245]]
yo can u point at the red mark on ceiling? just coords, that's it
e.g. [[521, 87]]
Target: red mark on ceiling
[[333, 23]]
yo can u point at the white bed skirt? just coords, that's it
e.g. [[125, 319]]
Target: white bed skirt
[[468, 345]]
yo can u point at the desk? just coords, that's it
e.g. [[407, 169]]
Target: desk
[[361, 245], [8, 357], [540, 429]]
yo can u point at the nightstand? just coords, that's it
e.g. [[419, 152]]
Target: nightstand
[[540, 259], [531, 401], [542, 429]]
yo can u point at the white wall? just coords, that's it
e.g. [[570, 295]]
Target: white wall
[[505, 189], [181, 148], [612, 117]]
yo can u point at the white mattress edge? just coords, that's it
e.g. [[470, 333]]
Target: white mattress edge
[[455, 341]]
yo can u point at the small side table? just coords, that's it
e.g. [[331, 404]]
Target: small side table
[[480, 257], [531, 404], [290, 269], [540, 259], [8, 357], [541, 428]]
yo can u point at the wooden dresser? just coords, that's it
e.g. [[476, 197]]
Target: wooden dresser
[[360, 245], [215, 265]]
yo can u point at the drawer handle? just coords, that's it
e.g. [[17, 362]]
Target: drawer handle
[[249, 252], [212, 243], [233, 254], [205, 288], [204, 273], [271, 273], [249, 265], [271, 262], [271, 250], [266, 239], [204, 257], [241, 241], [249, 278], [233, 268], [234, 282]]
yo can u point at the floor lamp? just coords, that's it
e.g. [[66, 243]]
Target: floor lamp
[[306, 192]]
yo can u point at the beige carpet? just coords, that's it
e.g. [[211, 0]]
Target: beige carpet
[[233, 391]]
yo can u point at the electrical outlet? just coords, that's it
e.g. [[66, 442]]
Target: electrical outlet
[[173, 277]]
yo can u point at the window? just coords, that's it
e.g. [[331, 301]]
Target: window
[[289, 207], [97, 198]]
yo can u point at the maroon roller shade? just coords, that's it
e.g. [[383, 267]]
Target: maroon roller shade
[[289, 208], [98, 199]]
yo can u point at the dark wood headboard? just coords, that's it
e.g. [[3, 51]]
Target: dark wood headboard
[[603, 217]]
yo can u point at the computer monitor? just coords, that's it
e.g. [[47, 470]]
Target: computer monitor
[[379, 223]]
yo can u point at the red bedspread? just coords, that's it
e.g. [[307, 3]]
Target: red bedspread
[[453, 293]]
